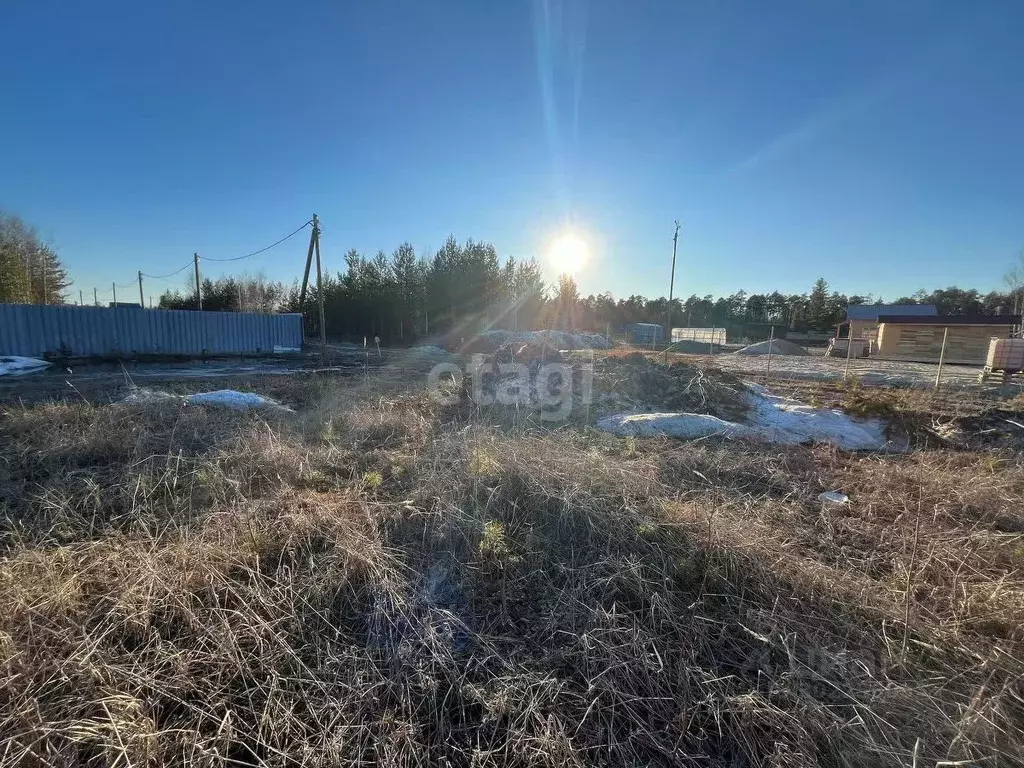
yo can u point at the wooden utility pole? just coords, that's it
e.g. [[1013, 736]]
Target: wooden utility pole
[[113, 288], [81, 301], [199, 290], [95, 298], [309, 263], [142, 300], [671, 287], [320, 286], [942, 357]]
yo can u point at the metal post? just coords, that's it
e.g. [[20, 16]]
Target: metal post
[[942, 356], [142, 300], [320, 286], [671, 287], [199, 290], [771, 343], [113, 287], [849, 349]]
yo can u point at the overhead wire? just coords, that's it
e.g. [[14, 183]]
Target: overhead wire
[[171, 274], [206, 258], [261, 250]]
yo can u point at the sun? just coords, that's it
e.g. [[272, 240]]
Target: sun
[[568, 253]]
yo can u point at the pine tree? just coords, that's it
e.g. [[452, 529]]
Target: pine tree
[[30, 270]]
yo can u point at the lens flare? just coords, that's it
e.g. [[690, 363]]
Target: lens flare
[[568, 253]]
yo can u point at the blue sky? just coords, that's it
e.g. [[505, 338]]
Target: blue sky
[[877, 144]]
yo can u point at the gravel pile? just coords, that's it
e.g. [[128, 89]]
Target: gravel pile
[[776, 347]]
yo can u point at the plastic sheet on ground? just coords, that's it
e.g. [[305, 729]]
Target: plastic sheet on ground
[[225, 398], [770, 418], [11, 365]]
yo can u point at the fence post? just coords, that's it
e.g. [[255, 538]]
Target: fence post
[[771, 343], [942, 356], [849, 350]]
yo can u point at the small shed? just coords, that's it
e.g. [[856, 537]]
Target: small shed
[[919, 338], [862, 319], [645, 333]]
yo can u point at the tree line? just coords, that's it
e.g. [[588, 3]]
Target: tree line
[[30, 270], [463, 288]]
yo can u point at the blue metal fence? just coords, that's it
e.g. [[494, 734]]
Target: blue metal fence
[[32, 330]]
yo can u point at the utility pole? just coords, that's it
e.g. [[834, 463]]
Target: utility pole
[[671, 287], [81, 301], [142, 301], [95, 298], [199, 290], [320, 286], [113, 287]]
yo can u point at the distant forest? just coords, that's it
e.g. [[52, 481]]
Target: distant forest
[[464, 288]]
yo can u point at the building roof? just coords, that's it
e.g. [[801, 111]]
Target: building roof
[[951, 319], [872, 311]]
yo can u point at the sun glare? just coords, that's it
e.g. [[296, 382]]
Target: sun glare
[[568, 253]]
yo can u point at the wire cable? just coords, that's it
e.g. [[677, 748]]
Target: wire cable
[[261, 250], [172, 274]]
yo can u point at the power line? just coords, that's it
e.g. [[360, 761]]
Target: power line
[[204, 258], [164, 277], [261, 250]]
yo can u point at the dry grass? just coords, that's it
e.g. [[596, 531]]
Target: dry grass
[[378, 580]]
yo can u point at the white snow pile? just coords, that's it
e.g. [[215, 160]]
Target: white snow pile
[[15, 366], [223, 398], [776, 346], [283, 350], [771, 418], [556, 339]]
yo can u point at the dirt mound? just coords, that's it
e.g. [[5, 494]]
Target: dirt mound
[[691, 347], [776, 347]]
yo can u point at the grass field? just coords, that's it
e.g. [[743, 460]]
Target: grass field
[[376, 578]]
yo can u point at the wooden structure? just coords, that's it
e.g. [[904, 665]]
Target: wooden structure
[[862, 319], [919, 339], [1005, 359]]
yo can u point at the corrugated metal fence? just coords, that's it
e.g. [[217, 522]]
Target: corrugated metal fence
[[33, 330]]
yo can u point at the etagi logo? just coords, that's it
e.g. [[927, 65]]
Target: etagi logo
[[550, 388]]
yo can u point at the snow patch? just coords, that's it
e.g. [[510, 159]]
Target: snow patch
[[280, 350], [11, 365], [224, 398], [771, 418], [429, 350]]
